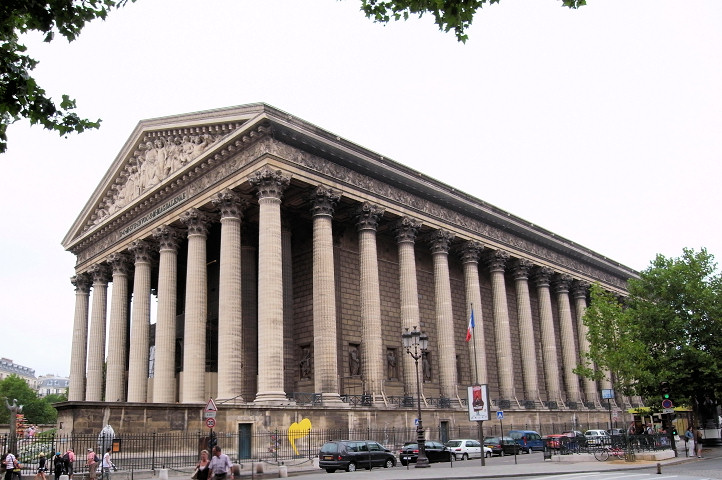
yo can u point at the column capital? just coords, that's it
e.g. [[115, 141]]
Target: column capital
[[196, 221], [542, 276], [496, 260], [120, 263], [471, 251], [168, 237], [323, 201], [141, 250], [269, 182], [368, 216], [521, 268], [406, 229], [81, 282], [440, 241], [562, 282], [230, 204], [100, 273], [580, 289]]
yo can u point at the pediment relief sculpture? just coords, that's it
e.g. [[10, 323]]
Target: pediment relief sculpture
[[157, 157]]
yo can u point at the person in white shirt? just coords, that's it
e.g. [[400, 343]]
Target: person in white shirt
[[9, 465], [107, 465], [220, 466]]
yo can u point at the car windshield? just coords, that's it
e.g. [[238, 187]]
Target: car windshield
[[453, 443], [329, 448]]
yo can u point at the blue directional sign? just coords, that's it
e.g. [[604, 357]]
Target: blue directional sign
[[500, 415]]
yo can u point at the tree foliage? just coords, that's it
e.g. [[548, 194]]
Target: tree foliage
[[455, 15], [20, 94], [36, 410], [667, 329]]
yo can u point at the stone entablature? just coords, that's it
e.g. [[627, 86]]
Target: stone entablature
[[241, 147]]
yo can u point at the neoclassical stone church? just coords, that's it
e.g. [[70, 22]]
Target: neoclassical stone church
[[259, 260]]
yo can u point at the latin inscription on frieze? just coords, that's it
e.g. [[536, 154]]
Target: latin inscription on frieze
[[150, 216]]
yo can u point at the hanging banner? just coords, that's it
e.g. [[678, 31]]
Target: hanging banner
[[478, 403]]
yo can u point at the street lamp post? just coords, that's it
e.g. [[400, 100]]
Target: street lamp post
[[416, 343]]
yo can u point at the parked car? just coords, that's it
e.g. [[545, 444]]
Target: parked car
[[350, 455], [462, 449], [556, 441], [528, 440], [597, 437], [502, 446], [435, 452], [616, 431]]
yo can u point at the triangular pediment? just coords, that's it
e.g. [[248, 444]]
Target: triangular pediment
[[158, 151]]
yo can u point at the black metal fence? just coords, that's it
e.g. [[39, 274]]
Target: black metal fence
[[180, 450]]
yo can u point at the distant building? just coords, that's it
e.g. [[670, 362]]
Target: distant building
[[52, 385], [8, 367]]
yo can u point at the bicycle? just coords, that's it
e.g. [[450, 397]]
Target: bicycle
[[603, 454]]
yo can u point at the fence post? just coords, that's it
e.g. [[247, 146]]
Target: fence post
[[152, 460]]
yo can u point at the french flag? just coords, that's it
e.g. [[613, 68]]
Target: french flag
[[470, 330]]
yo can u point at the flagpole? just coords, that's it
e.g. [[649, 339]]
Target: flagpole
[[473, 335]]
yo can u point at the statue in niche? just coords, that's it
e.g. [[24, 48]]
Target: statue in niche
[[354, 361], [426, 367], [391, 363], [305, 363]]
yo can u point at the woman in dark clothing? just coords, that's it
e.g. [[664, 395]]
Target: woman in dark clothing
[[203, 466]]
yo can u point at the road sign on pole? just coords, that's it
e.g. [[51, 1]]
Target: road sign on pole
[[210, 422], [500, 415], [210, 410], [667, 403]]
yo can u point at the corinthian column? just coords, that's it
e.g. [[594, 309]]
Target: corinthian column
[[96, 346], [118, 335], [542, 277], [521, 269], [325, 359], [230, 324], [496, 261], [372, 367], [76, 389], [569, 350], [477, 346], [164, 384], [140, 324], [579, 293], [440, 241], [406, 229], [270, 185], [194, 334]]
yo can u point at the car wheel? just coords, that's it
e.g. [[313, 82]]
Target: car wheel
[[330, 470], [389, 463], [464, 457], [404, 463], [351, 467], [488, 454]]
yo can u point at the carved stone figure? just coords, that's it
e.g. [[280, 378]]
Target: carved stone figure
[[305, 363], [354, 361], [391, 363], [426, 367]]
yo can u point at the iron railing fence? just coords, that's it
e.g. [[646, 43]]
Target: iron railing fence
[[180, 450]]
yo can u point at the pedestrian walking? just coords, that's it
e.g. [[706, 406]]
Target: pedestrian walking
[[58, 465], [698, 443], [40, 475], [107, 465], [92, 460], [689, 441], [202, 466], [220, 466], [11, 463]]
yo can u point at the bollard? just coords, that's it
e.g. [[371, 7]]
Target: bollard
[[63, 477], [659, 469], [163, 474], [282, 471], [259, 468]]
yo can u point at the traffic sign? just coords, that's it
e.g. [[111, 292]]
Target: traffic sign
[[667, 403], [211, 409], [668, 410], [210, 422], [500, 415]]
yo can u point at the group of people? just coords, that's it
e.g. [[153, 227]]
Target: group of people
[[693, 441], [218, 467]]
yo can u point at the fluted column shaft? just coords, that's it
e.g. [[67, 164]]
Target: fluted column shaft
[[440, 241], [579, 293], [230, 324], [249, 298], [526, 329], [372, 367], [477, 345], [549, 347], [496, 262], [118, 331], [270, 185], [164, 383], [96, 345], [406, 230], [569, 349], [140, 324], [79, 348], [324, 294], [194, 335]]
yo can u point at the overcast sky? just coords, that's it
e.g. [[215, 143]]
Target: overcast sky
[[603, 124]]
